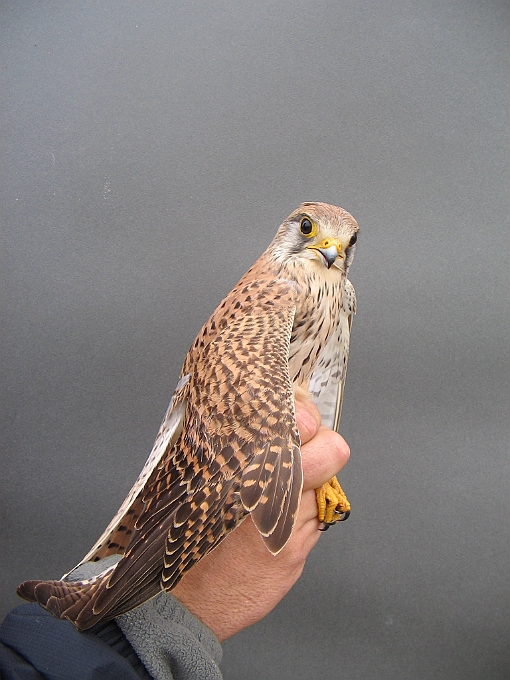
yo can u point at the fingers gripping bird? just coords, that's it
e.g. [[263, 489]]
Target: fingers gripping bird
[[229, 444]]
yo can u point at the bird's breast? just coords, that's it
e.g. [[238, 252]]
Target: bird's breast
[[317, 316]]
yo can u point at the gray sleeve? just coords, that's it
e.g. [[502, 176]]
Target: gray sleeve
[[171, 642], [168, 639]]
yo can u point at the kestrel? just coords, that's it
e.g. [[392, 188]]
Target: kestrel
[[229, 444]]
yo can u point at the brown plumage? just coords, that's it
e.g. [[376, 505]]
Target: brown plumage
[[229, 443]]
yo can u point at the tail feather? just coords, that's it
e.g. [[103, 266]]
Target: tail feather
[[73, 600]]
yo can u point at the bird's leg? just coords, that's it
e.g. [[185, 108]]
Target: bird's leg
[[332, 504]]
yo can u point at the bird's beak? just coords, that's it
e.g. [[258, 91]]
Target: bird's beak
[[330, 254], [329, 250]]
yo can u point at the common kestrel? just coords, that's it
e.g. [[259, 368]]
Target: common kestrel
[[229, 445]]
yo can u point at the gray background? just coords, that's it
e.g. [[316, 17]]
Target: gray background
[[150, 150]]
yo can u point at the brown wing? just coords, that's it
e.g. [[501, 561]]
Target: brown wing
[[238, 451]]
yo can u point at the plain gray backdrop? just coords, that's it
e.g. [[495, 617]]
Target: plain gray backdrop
[[149, 152]]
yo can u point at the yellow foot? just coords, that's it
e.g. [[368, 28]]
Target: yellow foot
[[332, 504]]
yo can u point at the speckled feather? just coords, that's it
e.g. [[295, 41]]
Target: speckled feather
[[229, 443], [328, 378]]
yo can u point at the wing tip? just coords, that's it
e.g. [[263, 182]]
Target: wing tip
[[278, 534]]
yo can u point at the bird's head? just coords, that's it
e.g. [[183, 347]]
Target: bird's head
[[322, 233]]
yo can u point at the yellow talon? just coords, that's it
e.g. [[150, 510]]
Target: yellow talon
[[332, 503]]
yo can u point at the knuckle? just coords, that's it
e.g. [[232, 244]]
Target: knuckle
[[341, 448]]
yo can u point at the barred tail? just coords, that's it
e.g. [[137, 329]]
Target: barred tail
[[73, 600], [87, 602], [66, 600]]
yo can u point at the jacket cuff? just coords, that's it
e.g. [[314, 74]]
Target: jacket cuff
[[170, 641]]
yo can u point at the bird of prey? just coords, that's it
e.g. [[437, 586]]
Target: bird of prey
[[229, 444]]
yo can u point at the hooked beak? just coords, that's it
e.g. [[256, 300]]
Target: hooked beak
[[328, 251], [329, 254]]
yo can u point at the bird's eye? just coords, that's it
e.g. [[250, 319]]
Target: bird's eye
[[306, 226], [353, 240]]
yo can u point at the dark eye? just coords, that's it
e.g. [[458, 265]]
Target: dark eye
[[353, 240], [306, 226]]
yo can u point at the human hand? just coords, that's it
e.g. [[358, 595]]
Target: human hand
[[240, 582]]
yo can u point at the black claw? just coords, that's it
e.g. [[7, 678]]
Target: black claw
[[324, 526]]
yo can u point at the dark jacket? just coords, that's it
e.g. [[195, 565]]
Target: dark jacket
[[34, 645]]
